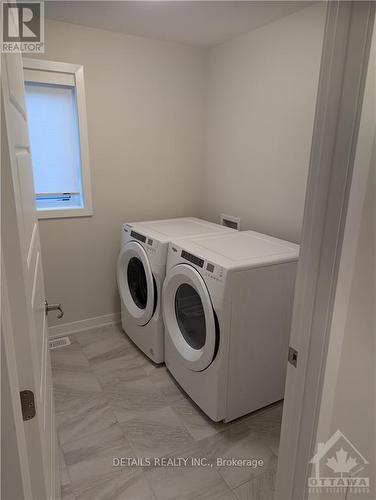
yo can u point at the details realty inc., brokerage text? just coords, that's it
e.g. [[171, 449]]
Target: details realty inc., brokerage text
[[253, 463]]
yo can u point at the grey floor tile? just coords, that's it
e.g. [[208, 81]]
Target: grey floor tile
[[134, 399], [164, 382], [114, 368], [67, 397], [64, 476], [107, 350], [238, 443], [267, 419], [267, 423], [272, 438], [102, 378], [192, 453], [188, 483], [67, 492], [112, 356], [68, 357], [260, 488], [156, 433], [82, 416], [100, 341], [72, 376], [93, 455], [99, 333], [197, 423], [118, 485]]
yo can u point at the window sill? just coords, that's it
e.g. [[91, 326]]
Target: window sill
[[66, 213]]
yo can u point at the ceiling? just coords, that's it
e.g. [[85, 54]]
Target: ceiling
[[201, 23]]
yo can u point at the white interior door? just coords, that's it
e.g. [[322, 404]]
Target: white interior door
[[24, 329]]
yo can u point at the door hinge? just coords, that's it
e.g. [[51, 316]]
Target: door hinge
[[293, 356], [27, 405]]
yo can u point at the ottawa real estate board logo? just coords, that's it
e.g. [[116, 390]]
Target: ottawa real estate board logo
[[22, 27], [339, 467]]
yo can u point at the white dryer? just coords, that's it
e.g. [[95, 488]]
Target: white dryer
[[141, 269], [227, 303]]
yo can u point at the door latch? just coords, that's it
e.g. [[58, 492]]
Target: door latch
[[27, 405], [53, 307], [293, 356]]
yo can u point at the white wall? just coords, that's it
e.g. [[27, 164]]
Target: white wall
[[261, 102], [349, 393], [354, 405], [145, 125]]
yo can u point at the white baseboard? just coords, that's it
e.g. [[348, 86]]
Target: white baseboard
[[84, 324]]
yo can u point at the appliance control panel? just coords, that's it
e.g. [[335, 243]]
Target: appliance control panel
[[210, 270], [138, 236], [192, 258], [152, 245], [214, 272]]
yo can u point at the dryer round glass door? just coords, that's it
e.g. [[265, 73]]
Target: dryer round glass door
[[135, 282], [189, 316]]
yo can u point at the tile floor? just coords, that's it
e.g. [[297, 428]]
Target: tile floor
[[111, 401]]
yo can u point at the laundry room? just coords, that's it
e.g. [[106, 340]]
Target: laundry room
[[169, 153], [176, 130]]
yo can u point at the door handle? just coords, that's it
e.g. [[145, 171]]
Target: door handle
[[53, 307]]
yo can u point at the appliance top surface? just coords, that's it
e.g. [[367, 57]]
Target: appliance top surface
[[166, 229], [241, 249]]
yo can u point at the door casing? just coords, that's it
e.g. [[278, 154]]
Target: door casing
[[344, 63]]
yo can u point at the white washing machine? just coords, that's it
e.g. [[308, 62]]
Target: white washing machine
[[227, 304], [141, 269]]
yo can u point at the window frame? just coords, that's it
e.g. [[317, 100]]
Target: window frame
[[49, 70]]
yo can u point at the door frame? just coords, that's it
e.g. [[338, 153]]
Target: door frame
[[344, 63]]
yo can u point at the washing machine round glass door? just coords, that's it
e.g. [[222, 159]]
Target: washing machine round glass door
[[189, 316], [135, 282]]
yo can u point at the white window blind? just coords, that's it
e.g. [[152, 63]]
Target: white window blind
[[56, 115], [54, 138]]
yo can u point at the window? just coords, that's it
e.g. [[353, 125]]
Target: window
[[55, 103]]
